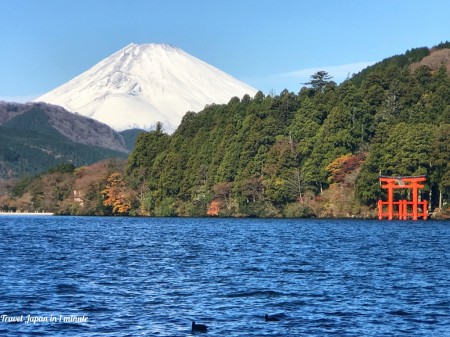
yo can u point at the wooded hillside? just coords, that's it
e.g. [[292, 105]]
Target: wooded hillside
[[284, 154], [37, 136]]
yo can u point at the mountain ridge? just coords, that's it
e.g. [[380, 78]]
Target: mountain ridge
[[75, 127], [37, 136]]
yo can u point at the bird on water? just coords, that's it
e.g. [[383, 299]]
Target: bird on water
[[199, 327], [268, 318]]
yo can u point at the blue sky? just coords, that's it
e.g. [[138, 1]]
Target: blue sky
[[269, 44]]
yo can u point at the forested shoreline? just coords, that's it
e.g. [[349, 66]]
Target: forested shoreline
[[315, 153]]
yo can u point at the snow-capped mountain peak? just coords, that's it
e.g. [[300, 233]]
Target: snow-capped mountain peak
[[142, 84]]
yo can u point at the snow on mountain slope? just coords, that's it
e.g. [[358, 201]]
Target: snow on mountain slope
[[142, 84]]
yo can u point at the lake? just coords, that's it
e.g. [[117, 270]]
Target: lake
[[98, 276]]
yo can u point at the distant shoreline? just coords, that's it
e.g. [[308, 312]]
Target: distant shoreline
[[25, 213]]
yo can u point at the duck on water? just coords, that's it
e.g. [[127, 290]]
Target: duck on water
[[199, 327], [268, 318], [203, 328]]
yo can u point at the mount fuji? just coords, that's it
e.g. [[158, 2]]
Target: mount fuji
[[143, 84]]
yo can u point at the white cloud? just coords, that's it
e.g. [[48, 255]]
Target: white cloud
[[339, 72], [293, 80]]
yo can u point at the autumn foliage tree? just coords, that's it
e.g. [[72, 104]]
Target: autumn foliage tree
[[343, 166], [116, 196]]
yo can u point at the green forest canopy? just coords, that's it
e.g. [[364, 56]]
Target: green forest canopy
[[259, 155]]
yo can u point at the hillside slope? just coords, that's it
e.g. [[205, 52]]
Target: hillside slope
[[36, 137], [280, 155], [77, 128]]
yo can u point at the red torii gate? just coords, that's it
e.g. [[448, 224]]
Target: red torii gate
[[399, 208]]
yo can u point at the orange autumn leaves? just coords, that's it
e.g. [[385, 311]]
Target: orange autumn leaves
[[116, 195], [342, 167]]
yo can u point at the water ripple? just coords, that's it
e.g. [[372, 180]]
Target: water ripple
[[152, 277]]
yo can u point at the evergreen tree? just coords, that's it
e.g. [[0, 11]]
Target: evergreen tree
[[319, 81]]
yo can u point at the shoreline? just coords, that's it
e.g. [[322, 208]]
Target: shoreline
[[25, 213]]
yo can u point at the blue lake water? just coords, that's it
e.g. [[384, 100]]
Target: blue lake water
[[152, 277]]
